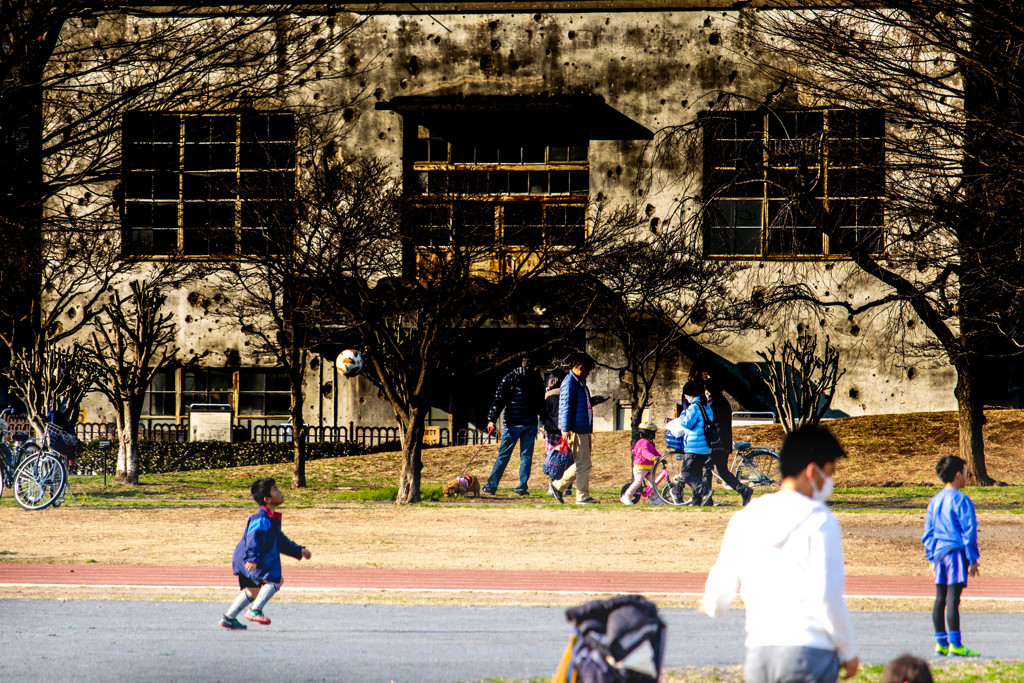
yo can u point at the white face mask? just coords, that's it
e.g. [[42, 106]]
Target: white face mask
[[822, 494]]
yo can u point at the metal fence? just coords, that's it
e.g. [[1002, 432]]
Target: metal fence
[[467, 437], [369, 436]]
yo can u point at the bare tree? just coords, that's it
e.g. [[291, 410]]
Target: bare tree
[[410, 281], [70, 74], [132, 339], [947, 75], [802, 380], [272, 298], [654, 291], [51, 381]]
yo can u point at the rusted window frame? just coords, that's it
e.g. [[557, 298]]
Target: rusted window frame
[[181, 173], [178, 375], [569, 198], [766, 140]]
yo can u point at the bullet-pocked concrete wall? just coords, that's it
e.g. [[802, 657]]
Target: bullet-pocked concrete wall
[[659, 69]]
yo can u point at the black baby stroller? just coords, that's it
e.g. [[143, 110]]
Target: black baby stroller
[[619, 640]]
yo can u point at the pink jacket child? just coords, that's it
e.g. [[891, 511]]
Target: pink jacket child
[[644, 457]]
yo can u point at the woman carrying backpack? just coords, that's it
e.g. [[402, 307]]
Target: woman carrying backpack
[[689, 433], [720, 452]]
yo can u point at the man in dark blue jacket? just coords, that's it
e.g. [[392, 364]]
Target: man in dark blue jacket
[[576, 422], [521, 395]]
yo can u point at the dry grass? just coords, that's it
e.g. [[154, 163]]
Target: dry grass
[[467, 537], [881, 529], [884, 450]]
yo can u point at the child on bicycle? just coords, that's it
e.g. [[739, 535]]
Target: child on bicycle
[[257, 557], [644, 457], [951, 546]]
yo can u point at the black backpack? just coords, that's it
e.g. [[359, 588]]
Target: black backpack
[[711, 432]]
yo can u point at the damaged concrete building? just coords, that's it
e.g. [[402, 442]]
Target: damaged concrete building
[[554, 104]]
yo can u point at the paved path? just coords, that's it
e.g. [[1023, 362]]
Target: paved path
[[142, 641], [473, 580]]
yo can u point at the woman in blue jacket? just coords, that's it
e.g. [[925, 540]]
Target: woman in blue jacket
[[686, 434]]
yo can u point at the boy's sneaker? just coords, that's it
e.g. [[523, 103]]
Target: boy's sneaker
[[556, 493], [567, 491], [588, 501], [257, 616], [962, 651], [232, 624], [941, 650]]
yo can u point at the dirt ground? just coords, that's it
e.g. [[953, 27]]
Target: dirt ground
[[468, 537]]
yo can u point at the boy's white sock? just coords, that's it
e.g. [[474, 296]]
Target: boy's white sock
[[240, 603], [266, 592]]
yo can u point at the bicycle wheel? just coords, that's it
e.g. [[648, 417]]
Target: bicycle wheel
[[668, 471], [29, 449], [636, 496], [39, 480], [759, 467]]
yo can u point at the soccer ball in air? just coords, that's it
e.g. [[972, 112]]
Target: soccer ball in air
[[350, 363]]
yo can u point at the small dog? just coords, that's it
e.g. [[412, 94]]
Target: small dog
[[463, 486]]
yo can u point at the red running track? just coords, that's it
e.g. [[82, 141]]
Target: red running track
[[473, 580]]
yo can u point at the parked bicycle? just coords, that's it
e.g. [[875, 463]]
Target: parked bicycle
[[756, 466], [36, 476], [62, 445]]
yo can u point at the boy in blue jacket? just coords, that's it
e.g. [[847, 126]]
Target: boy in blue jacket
[[257, 558], [951, 546]]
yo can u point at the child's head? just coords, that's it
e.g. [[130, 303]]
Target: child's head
[[907, 669], [648, 429], [948, 467], [261, 489], [692, 389]]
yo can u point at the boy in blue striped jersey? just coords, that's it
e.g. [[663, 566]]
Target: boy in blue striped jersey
[[951, 545]]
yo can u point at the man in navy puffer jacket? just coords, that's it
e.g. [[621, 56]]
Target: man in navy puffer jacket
[[521, 395]]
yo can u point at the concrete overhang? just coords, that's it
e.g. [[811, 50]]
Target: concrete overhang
[[520, 115]]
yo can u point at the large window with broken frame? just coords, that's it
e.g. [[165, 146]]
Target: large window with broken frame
[[483, 190], [793, 183], [252, 392], [203, 184]]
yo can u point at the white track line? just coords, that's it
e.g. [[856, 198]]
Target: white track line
[[497, 591]]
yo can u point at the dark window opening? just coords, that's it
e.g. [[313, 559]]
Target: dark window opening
[[794, 183], [191, 181], [547, 181]]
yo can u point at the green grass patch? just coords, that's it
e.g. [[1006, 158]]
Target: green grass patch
[[972, 671]]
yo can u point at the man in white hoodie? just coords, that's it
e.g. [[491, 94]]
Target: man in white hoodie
[[784, 553]]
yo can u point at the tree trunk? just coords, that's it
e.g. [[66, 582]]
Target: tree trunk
[[130, 439], [969, 403], [412, 462], [299, 435], [125, 472]]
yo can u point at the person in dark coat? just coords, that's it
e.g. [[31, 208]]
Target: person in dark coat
[[521, 396], [720, 452]]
